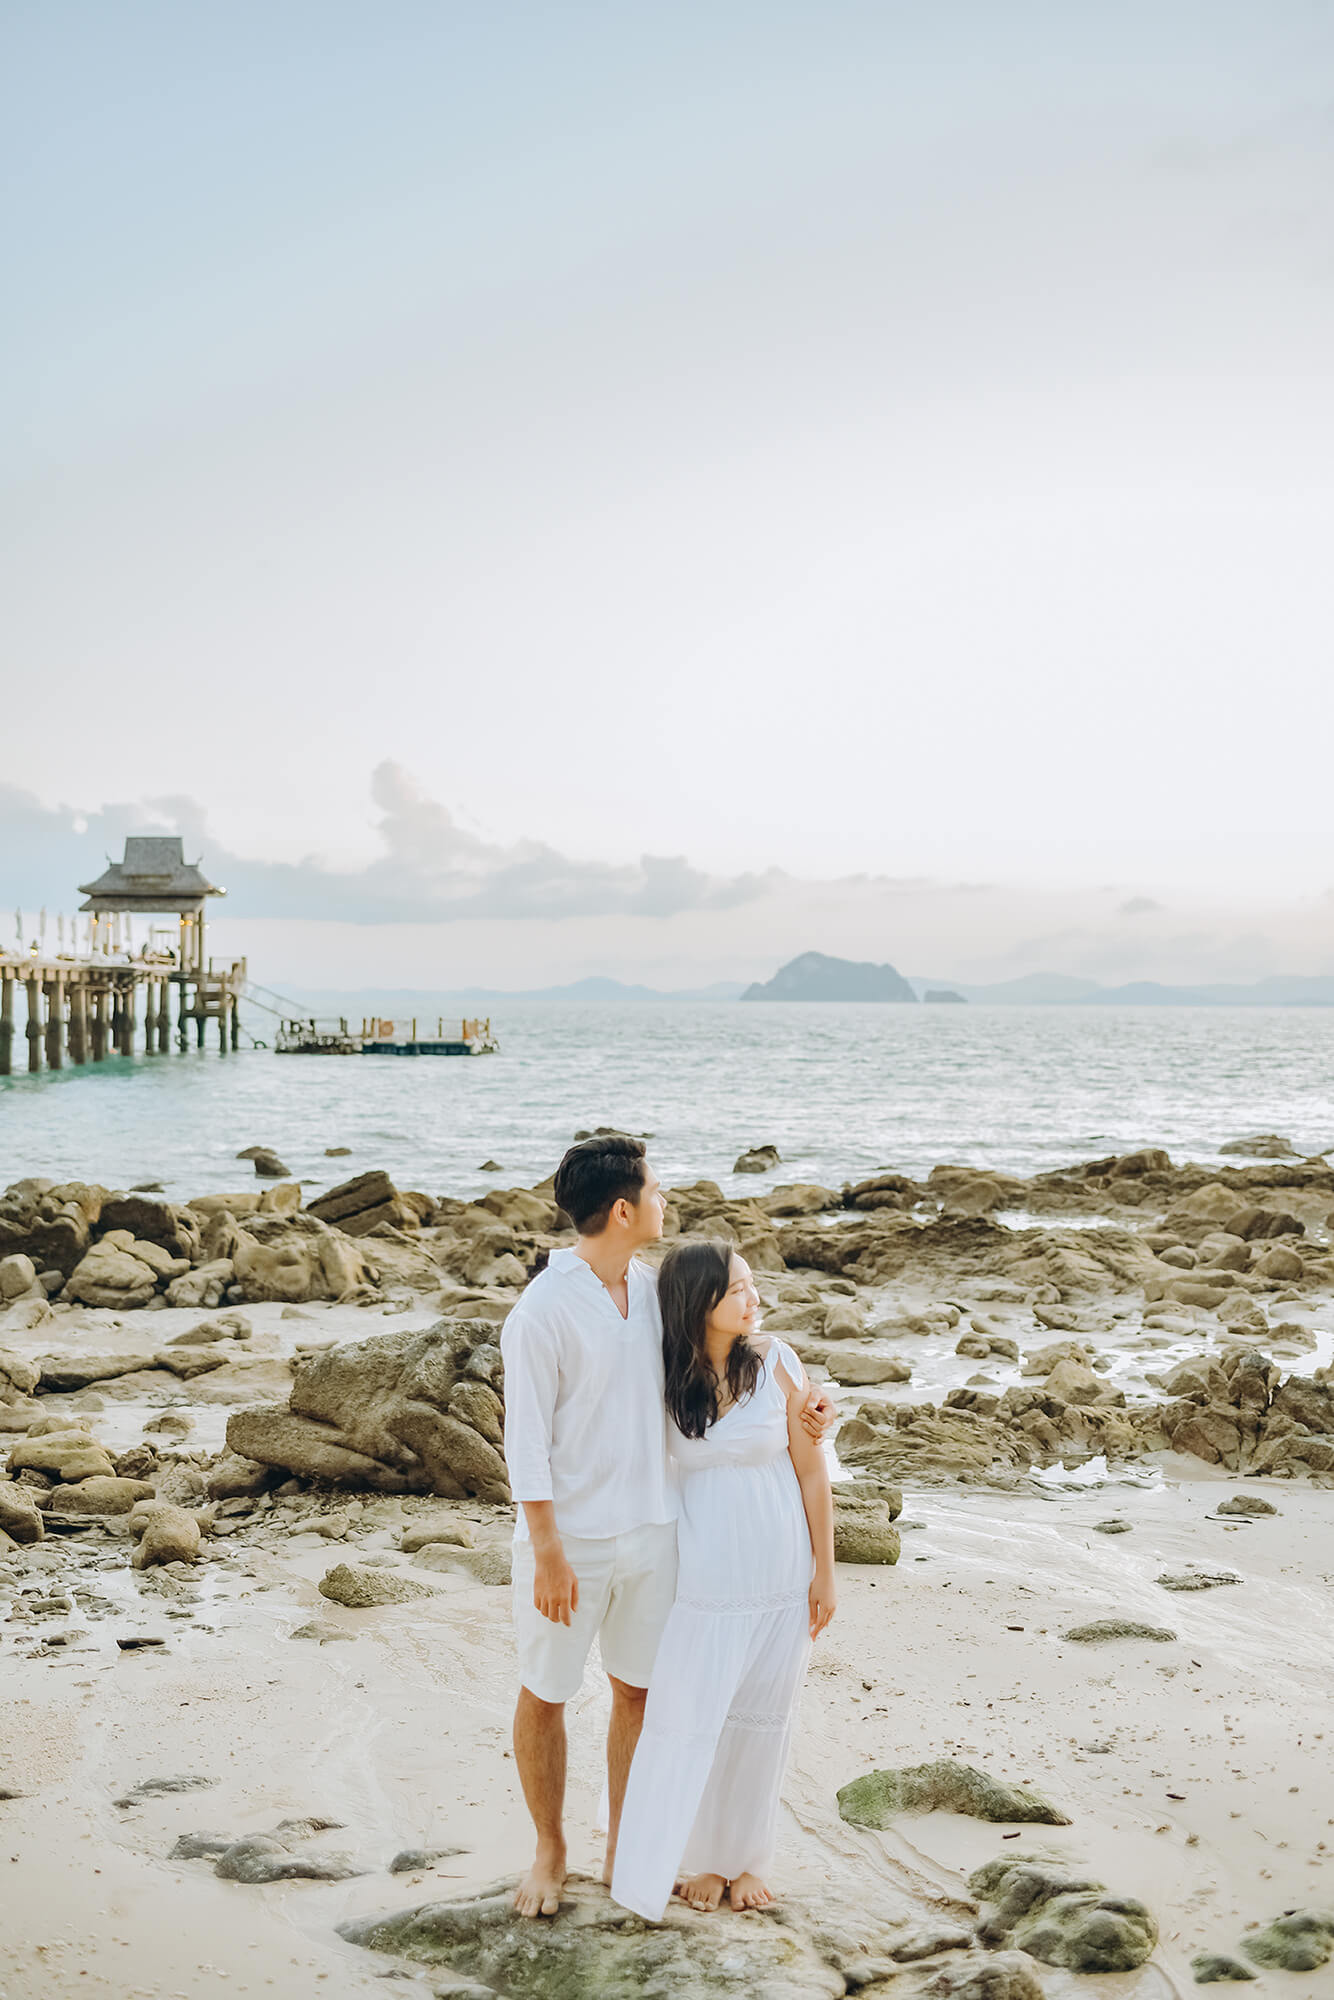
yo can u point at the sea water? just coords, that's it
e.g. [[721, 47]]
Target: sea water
[[841, 1090]]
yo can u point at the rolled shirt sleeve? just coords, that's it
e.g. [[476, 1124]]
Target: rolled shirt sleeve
[[532, 1376]]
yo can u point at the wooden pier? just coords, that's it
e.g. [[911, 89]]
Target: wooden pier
[[84, 1004]]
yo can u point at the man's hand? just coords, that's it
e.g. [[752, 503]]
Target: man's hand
[[555, 1586], [819, 1414]]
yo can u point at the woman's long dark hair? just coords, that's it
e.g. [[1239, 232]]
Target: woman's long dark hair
[[692, 1280]]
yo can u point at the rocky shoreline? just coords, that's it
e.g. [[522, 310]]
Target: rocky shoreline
[[254, 1392]]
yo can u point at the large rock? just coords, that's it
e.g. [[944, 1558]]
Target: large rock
[[18, 1375], [20, 1516], [1263, 1146], [943, 1786], [758, 1160], [103, 1495], [66, 1455], [594, 1947], [360, 1205], [417, 1412], [64, 1373], [52, 1224], [294, 1259], [361, 1588], [1062, 1920], [204, 1286], [109, 1276], [18, 1279], [1298, 1941], [165, 1533], [863, 1529], [173, 1229]]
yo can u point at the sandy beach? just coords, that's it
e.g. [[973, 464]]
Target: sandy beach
[[1192, 1769]]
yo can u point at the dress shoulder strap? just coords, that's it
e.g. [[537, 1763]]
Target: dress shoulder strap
[[781, 1355]]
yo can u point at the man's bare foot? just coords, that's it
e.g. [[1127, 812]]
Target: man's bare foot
[[702, 1892], [749, 1893], [538, 1895]]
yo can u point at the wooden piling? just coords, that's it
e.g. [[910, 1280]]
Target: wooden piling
[[98, 996], [182, 1012], [34, 1025], [55, 1023], [128, 1015], [78, 1021], [6, 1024], [164, 1016]]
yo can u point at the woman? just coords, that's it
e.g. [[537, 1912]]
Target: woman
[[755, 1585]]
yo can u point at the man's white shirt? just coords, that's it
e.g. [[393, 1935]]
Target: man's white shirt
[[585, 1421]]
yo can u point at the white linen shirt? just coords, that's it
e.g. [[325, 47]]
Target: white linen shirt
[[585, 1420]]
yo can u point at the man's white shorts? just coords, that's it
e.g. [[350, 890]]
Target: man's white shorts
[[626, 1587]]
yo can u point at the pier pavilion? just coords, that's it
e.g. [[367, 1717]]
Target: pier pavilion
[[85, 1002]]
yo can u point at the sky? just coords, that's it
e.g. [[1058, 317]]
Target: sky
[[539, 490]]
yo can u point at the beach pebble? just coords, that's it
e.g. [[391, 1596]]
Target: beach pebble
[[1197, 1579], [1117, 1628], [161, 1788], [321, 1629], [1112, 1527], [410, 1858]]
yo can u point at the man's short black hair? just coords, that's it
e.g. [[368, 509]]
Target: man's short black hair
[[596, 1173]]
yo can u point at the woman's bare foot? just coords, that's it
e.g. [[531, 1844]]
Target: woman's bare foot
[[538, 1895], [749, 1893], [702, 1892]]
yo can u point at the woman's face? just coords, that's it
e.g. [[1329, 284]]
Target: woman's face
[[738, 1310]]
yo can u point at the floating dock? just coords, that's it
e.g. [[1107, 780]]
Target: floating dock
[[297, 1037]]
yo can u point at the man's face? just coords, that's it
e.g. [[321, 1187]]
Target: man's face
[[651, 1208]]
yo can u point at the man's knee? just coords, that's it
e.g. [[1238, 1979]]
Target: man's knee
[[622, 1691], [532, 1705]]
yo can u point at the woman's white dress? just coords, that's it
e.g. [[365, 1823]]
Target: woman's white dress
[[703, 1791]]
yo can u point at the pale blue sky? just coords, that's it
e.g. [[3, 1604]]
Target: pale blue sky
[[834, 438]]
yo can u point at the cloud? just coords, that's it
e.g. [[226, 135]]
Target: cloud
[[1138, 906], [431, 870]]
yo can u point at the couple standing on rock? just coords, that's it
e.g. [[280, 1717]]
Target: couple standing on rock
[[674, 1503]]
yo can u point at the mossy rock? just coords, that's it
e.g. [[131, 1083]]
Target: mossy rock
[[1062, 1920], [1210, 1967], [1089, 1932], [1298, 1941], [942, 1786], [594, 1947]]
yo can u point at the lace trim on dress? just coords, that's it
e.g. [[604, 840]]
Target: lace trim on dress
[[778, 1600], [741, 1718]]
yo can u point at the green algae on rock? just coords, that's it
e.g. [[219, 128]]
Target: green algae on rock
[[593, 1946], [942, 1786], [1210, 1967], [1062, 1920], [1298, 1941]]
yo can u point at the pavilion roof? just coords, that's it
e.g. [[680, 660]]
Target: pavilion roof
[[154, 875]]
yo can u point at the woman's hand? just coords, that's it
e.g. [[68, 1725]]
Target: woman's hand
[[819, 1414], [823, 1601]]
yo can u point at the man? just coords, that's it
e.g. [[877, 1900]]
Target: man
[[586, 1445]]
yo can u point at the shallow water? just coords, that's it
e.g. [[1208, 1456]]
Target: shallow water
[[841, 1090]]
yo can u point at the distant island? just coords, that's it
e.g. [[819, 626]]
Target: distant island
[[813, 976], [820, 978]]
